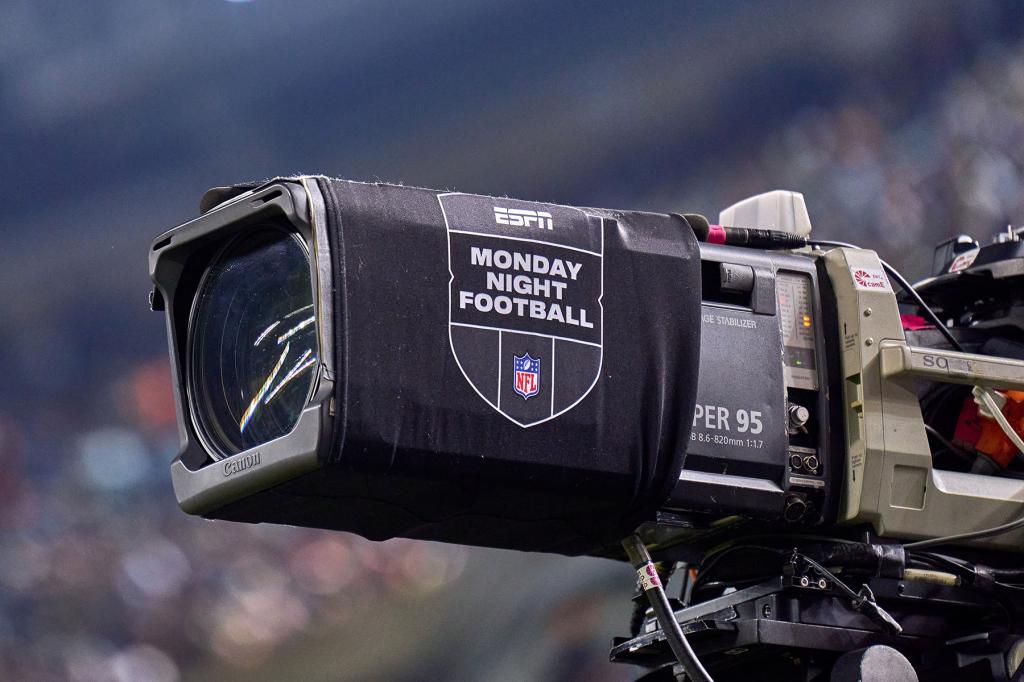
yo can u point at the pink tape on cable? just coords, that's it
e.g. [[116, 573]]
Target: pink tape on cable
[[716, 234]]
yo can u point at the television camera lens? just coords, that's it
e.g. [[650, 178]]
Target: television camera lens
[[252, 341]]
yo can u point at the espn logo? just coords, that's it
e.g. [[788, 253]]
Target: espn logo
[[521, 217]]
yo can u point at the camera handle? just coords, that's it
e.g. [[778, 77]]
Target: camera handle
[[934, 364]]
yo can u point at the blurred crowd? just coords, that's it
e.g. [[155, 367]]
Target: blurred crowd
[[897, 171], [103, 578]]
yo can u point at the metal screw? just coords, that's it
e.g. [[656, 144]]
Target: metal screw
[[867, 312], [766, 611], [869, 341]]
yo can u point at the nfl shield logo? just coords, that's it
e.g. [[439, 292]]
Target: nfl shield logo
[[526, 375], [526, 283]]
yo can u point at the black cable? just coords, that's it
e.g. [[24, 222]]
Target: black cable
[[1002, 577], [1012, 574], [704, 570], [908, 288], [969, 571], [651, 585], [862, 602], [843, 587], [665, 572], [947, 562], [716, 554], [924, 307], [949, 445], [749, 237], [775, 239], [964, 537]]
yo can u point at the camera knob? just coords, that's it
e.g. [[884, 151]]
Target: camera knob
[[798, 416]]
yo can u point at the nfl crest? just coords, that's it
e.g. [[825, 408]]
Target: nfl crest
[[526, 283], [526, 375]]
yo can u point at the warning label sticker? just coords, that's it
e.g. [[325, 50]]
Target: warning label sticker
[[525, 315]]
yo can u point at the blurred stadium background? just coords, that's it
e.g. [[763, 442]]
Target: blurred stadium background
[[902, 123]]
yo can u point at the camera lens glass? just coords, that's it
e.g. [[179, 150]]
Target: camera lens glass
[[252, 341]]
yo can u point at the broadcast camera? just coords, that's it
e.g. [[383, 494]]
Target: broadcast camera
[[831, 468]]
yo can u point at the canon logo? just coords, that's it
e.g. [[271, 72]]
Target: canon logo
[[521, 217], [233, 466]]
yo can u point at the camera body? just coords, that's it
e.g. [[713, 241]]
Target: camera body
[[531, 376], [764, 435]]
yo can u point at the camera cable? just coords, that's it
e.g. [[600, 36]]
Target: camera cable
[[907, 288], [778, 240], [965, 537], [652, 587], [862, 601], [955, 450]]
